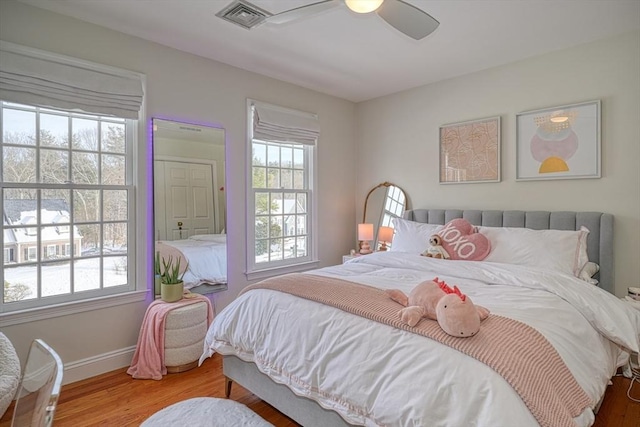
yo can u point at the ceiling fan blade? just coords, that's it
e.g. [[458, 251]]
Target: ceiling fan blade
[[407, 19], [301, 12]]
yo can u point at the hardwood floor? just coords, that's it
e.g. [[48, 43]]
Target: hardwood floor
[[115, 399]]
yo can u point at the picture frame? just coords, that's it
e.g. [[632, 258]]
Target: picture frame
[[470, 151], [562, 142]]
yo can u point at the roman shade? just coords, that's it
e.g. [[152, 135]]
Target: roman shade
[[272, 123], [33, 77]]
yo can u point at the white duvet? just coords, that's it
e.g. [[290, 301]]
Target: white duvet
[[207, 259], [375, 375]]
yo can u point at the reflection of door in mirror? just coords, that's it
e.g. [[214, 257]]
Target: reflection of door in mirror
[[189, 199], [383, 203]]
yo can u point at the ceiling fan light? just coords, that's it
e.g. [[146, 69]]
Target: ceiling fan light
[[558, 117], [363, 6]]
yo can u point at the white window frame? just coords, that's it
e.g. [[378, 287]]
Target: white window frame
[[254, 270], [140, 207]]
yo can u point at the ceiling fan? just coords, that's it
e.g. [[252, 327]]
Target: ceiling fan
[[404, 17]]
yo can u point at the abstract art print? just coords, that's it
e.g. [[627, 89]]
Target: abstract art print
[[559, 142], [470, 151]]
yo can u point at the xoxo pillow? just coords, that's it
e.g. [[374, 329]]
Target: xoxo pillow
[[462, 242]]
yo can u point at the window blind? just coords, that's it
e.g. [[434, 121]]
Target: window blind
[[272, 123], [32, 77]]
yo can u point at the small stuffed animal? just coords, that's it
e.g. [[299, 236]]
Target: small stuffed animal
[[435, 300], [436, 250]]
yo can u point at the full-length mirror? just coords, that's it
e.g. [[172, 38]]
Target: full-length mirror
[[383, 203], [189, 201]]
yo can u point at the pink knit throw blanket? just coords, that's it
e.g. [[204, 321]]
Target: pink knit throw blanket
[[148, 359], [519, 353]]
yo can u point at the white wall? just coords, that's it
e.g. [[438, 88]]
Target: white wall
[[398, 138], [196, 90]]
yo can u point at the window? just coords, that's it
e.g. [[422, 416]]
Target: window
[[393, 205], [69, 177], [51, 251], [8, 255], [68, 139], [280, 206]]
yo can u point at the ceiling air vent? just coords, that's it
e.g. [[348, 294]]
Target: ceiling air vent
[[244, 14]]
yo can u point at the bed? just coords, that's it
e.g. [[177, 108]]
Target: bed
[[205, 256], [349, 370]]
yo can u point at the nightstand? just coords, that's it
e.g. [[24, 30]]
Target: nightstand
[[633, 369], [346, 258], [630, 301]]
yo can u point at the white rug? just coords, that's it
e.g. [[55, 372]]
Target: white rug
[[206, 412]]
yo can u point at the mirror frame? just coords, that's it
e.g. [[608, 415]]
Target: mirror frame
[[204, 288], [385, 184]]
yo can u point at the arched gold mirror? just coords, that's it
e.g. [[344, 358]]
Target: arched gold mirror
[[383, 203]]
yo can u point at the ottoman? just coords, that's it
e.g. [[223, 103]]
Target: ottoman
[[185, 329], [206, 411]]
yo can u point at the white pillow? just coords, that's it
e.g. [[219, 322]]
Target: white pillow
[[558, 250], [411, 236], [220, 238]]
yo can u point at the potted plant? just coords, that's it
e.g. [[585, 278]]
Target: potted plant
[[157, 274], [171, 284]]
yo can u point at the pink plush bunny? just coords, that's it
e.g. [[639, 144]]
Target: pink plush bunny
[[435, 300]]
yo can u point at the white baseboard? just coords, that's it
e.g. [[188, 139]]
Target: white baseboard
[[96, 365]]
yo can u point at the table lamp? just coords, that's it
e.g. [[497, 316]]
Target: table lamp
[[365, 233], [385, 235]]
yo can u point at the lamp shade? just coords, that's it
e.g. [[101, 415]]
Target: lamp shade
[[365, 231], [363, 6], [385, 234]]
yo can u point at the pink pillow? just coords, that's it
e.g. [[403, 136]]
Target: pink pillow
[[461, 240]]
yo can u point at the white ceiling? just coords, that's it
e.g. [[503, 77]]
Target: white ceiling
[[360, 57]]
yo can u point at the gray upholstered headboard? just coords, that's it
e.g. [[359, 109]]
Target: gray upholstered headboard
[[600, 225]]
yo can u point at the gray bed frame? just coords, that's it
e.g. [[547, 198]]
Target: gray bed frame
[[310, 414]]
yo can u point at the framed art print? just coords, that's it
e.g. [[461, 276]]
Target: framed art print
[[559, 142], [470, 151]]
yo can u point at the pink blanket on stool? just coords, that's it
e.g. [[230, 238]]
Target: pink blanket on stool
[[148, 360]]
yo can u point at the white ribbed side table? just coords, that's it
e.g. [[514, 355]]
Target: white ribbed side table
[[185, 329]]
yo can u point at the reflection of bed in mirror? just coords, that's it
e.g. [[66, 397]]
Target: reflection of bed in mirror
[[205, 256], [189, 201]]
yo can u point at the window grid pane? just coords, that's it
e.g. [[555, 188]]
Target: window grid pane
[[281, 225], [69, 236], [54, 166]]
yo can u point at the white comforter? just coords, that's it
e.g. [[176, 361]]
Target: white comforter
[[207, 259], [373, 374]]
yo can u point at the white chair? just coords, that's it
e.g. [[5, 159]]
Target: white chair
[[40, 387]]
